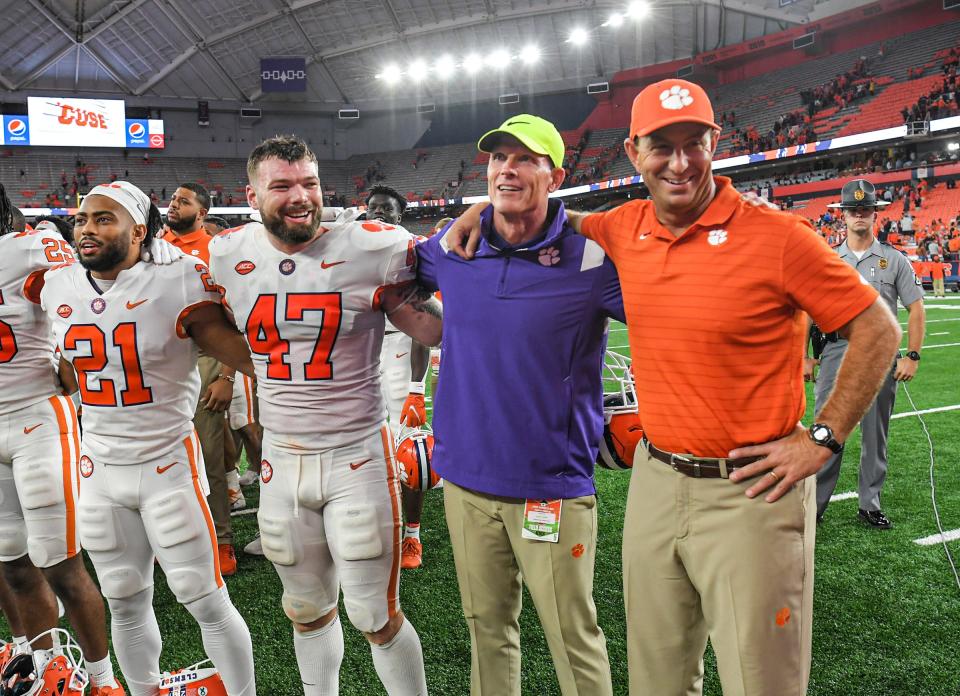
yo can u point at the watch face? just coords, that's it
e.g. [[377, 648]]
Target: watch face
[[820, 433]]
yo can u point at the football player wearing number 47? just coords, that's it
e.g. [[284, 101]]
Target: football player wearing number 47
[[312, 301], [132, 331]]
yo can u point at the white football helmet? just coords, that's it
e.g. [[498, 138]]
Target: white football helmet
[[201, 679], [414, 447], [55, 672], [622, 431]]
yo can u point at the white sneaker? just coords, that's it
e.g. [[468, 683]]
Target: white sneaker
[[237, 501], [255, 547], [249, 477]]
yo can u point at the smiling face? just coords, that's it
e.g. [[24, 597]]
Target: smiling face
[[289, 198], [384, 208], [520, 180], [106, 237], [675, 163]]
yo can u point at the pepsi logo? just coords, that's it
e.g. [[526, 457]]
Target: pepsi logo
[[244, 267], [136, 130], [16, 126]]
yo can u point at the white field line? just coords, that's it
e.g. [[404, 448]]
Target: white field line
[[843, 496], [938, 409], [245, 511], [937, 345], [933, 321], [951, 535], [940, 333]]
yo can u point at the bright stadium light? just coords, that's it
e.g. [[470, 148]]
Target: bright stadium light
[[638, 9], [417, 70], [444, 66], [953, 147], [499, 59], [614, 20], [578, 36], [390, 74], [530, 54], [473, 63]]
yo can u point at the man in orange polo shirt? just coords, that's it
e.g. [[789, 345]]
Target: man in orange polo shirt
[[185, 216], [716, 293]]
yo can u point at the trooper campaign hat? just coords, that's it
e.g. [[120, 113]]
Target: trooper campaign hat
[[858, 193]]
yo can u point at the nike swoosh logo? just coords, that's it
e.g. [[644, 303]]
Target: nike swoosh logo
[[27, 431], [163, 469], [357, 465], [134, 305], [643, 236], [400, 355], [324, 265]]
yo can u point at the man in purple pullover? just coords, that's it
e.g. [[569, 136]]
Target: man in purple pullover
[[519, 414]]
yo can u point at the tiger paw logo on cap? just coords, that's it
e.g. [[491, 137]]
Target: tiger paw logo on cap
[[675, 98]]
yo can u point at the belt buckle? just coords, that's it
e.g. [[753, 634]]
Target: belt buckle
[[676, 459]]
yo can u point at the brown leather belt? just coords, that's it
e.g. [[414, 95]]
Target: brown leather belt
[[698, 467]]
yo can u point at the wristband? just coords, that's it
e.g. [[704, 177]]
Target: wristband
[[227, 377], [417, 388]]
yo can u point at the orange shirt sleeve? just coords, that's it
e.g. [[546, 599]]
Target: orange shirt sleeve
[[606, 227], [819, 282]]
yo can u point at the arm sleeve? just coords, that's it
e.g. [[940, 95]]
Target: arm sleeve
[[597, 226], [819, 282], [610, 293], [909, 289], [401, 262], [427, 262]]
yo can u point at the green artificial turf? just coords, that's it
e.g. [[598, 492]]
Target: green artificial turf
[[887, 611]]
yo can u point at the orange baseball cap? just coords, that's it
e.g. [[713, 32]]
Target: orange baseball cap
[[670, 101]]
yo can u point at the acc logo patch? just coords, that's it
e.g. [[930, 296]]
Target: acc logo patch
[[86, 466], [64, 310], [883, 264], [717, 237], [244, 267], [859, 195], [266, 471]]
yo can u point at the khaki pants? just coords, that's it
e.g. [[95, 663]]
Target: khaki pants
[[209, 427], [701, 559], [491, 557], [938, 288]]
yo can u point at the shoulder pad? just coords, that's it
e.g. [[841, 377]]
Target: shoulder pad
[[370, 235], [230, 239]]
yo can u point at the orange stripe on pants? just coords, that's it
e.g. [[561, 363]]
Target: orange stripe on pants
[[248, 393], [393, 588], [188, 443], [68, 462]]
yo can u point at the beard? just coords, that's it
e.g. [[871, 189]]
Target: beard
[[291, 234], [111, 254], [182, 224]]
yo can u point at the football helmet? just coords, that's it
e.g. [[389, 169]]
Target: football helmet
[[55, 672], [415, 458], [201, 679], [622, 431]]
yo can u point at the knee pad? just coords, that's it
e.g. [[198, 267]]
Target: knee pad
[[119, 582], [357, 530], [97, 528], [211, 608], [13, 539], [276, 536], [132, 607], [301, 608], [361, 616]]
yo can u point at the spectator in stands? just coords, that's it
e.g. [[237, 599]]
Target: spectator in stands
[[891, 274]]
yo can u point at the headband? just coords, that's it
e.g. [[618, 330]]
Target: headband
[[129, 196]]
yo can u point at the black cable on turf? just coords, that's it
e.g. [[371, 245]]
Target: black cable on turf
[[933, 487]]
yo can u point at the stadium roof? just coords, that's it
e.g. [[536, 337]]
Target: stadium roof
[[154, 51]]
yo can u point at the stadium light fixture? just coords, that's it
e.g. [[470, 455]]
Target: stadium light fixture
[[498, 59], [638, 9], [614, 20], [953, 147], [530, 54], [578, 36], [390, 74], [473, 63], [417, 70], [444, 67]]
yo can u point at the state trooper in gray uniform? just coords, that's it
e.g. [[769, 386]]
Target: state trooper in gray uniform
[[889, 271]]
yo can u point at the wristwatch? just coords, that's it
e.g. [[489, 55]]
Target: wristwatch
[[822, 434], [914, 355]]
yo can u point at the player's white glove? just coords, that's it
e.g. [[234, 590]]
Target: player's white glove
[[160, 253], [345, 215], [414, 411]]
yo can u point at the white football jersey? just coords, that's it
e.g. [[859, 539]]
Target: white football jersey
[[27, 368], [136, 366], [314, 326]]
